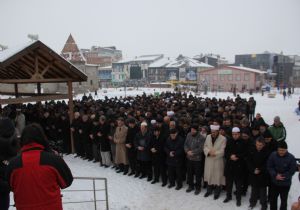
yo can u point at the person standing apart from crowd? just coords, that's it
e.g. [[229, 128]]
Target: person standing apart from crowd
[[214, 148], [281, 166], [36, 175], [193, 148]]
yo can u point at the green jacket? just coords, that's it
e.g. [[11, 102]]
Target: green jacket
[[278, 132]]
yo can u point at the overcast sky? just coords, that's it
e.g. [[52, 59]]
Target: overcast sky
[[172, 27]]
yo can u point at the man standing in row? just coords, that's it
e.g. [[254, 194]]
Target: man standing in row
[[193, 148]]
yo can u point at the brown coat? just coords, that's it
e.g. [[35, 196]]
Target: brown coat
[[119, 139]]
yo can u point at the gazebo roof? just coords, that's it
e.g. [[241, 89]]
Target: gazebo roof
[[35, 62]]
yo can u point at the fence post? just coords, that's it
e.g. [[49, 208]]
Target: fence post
[[106, 192], [94, 194]]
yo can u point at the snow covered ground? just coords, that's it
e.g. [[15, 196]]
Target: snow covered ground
[[126, 193], [130, 193]]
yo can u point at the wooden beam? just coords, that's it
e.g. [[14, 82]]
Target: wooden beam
[[71, 111], [33, 99], [11, 81], [27, 94], [16, 90]]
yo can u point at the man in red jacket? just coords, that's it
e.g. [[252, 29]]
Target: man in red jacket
[[37, 174]]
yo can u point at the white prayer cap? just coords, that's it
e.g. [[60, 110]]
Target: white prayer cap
[[153, 121], [170, 113], [235, 130], [144, 124], [214, 127]]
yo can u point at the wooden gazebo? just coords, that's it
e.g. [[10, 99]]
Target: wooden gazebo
[[36, 63]]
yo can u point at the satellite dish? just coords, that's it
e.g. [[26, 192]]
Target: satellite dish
[[33, 37], [3, 47]]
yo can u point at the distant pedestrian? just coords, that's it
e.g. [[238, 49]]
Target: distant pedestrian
[[284, 94]]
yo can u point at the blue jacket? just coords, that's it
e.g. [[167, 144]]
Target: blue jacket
[[285, 166]]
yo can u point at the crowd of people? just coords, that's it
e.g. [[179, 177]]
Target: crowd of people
[[172, 138]]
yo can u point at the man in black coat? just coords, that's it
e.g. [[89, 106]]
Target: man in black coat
[[235, 154], [131, 150], [84, 135], [8, 149], [258, 176], [158, 157], [142, 144], [174, 149], [63, 130], [103, 131], [75, 131]]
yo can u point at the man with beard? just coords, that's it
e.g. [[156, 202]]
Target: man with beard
[[142, 144], [158, 157], [235, 154], [193, 148], [131, 150], [174, 149], [277, 130], [214, 148]]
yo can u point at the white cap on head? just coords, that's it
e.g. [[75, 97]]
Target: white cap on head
[[153, 121], [235, 130], [214, 127], [144, 124], [170, 113]]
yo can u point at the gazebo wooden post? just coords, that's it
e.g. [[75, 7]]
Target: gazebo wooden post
[[16, 90], [38, 88], [71, 111]]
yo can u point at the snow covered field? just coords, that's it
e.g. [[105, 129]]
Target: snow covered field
[[126, 193], [135, 194]]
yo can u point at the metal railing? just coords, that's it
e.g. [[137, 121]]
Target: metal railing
[[94, 190]]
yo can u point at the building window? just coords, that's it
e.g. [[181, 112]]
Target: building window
[[222, 77], [215, 77], [91, 82], [246, 77], [238, 77], [230, 77]]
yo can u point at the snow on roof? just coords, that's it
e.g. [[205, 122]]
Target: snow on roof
[[148, 57], [106, 67], [9, 52], [160, 63], [248, 69], [178, 62]]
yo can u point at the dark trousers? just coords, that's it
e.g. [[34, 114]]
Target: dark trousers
[[259, 193], [89, 150], [238, 181], [160, 170], [96, 152], [175, 173], [4, 201], [281, 191], [132, 160], [194, 170], [144, 168]]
